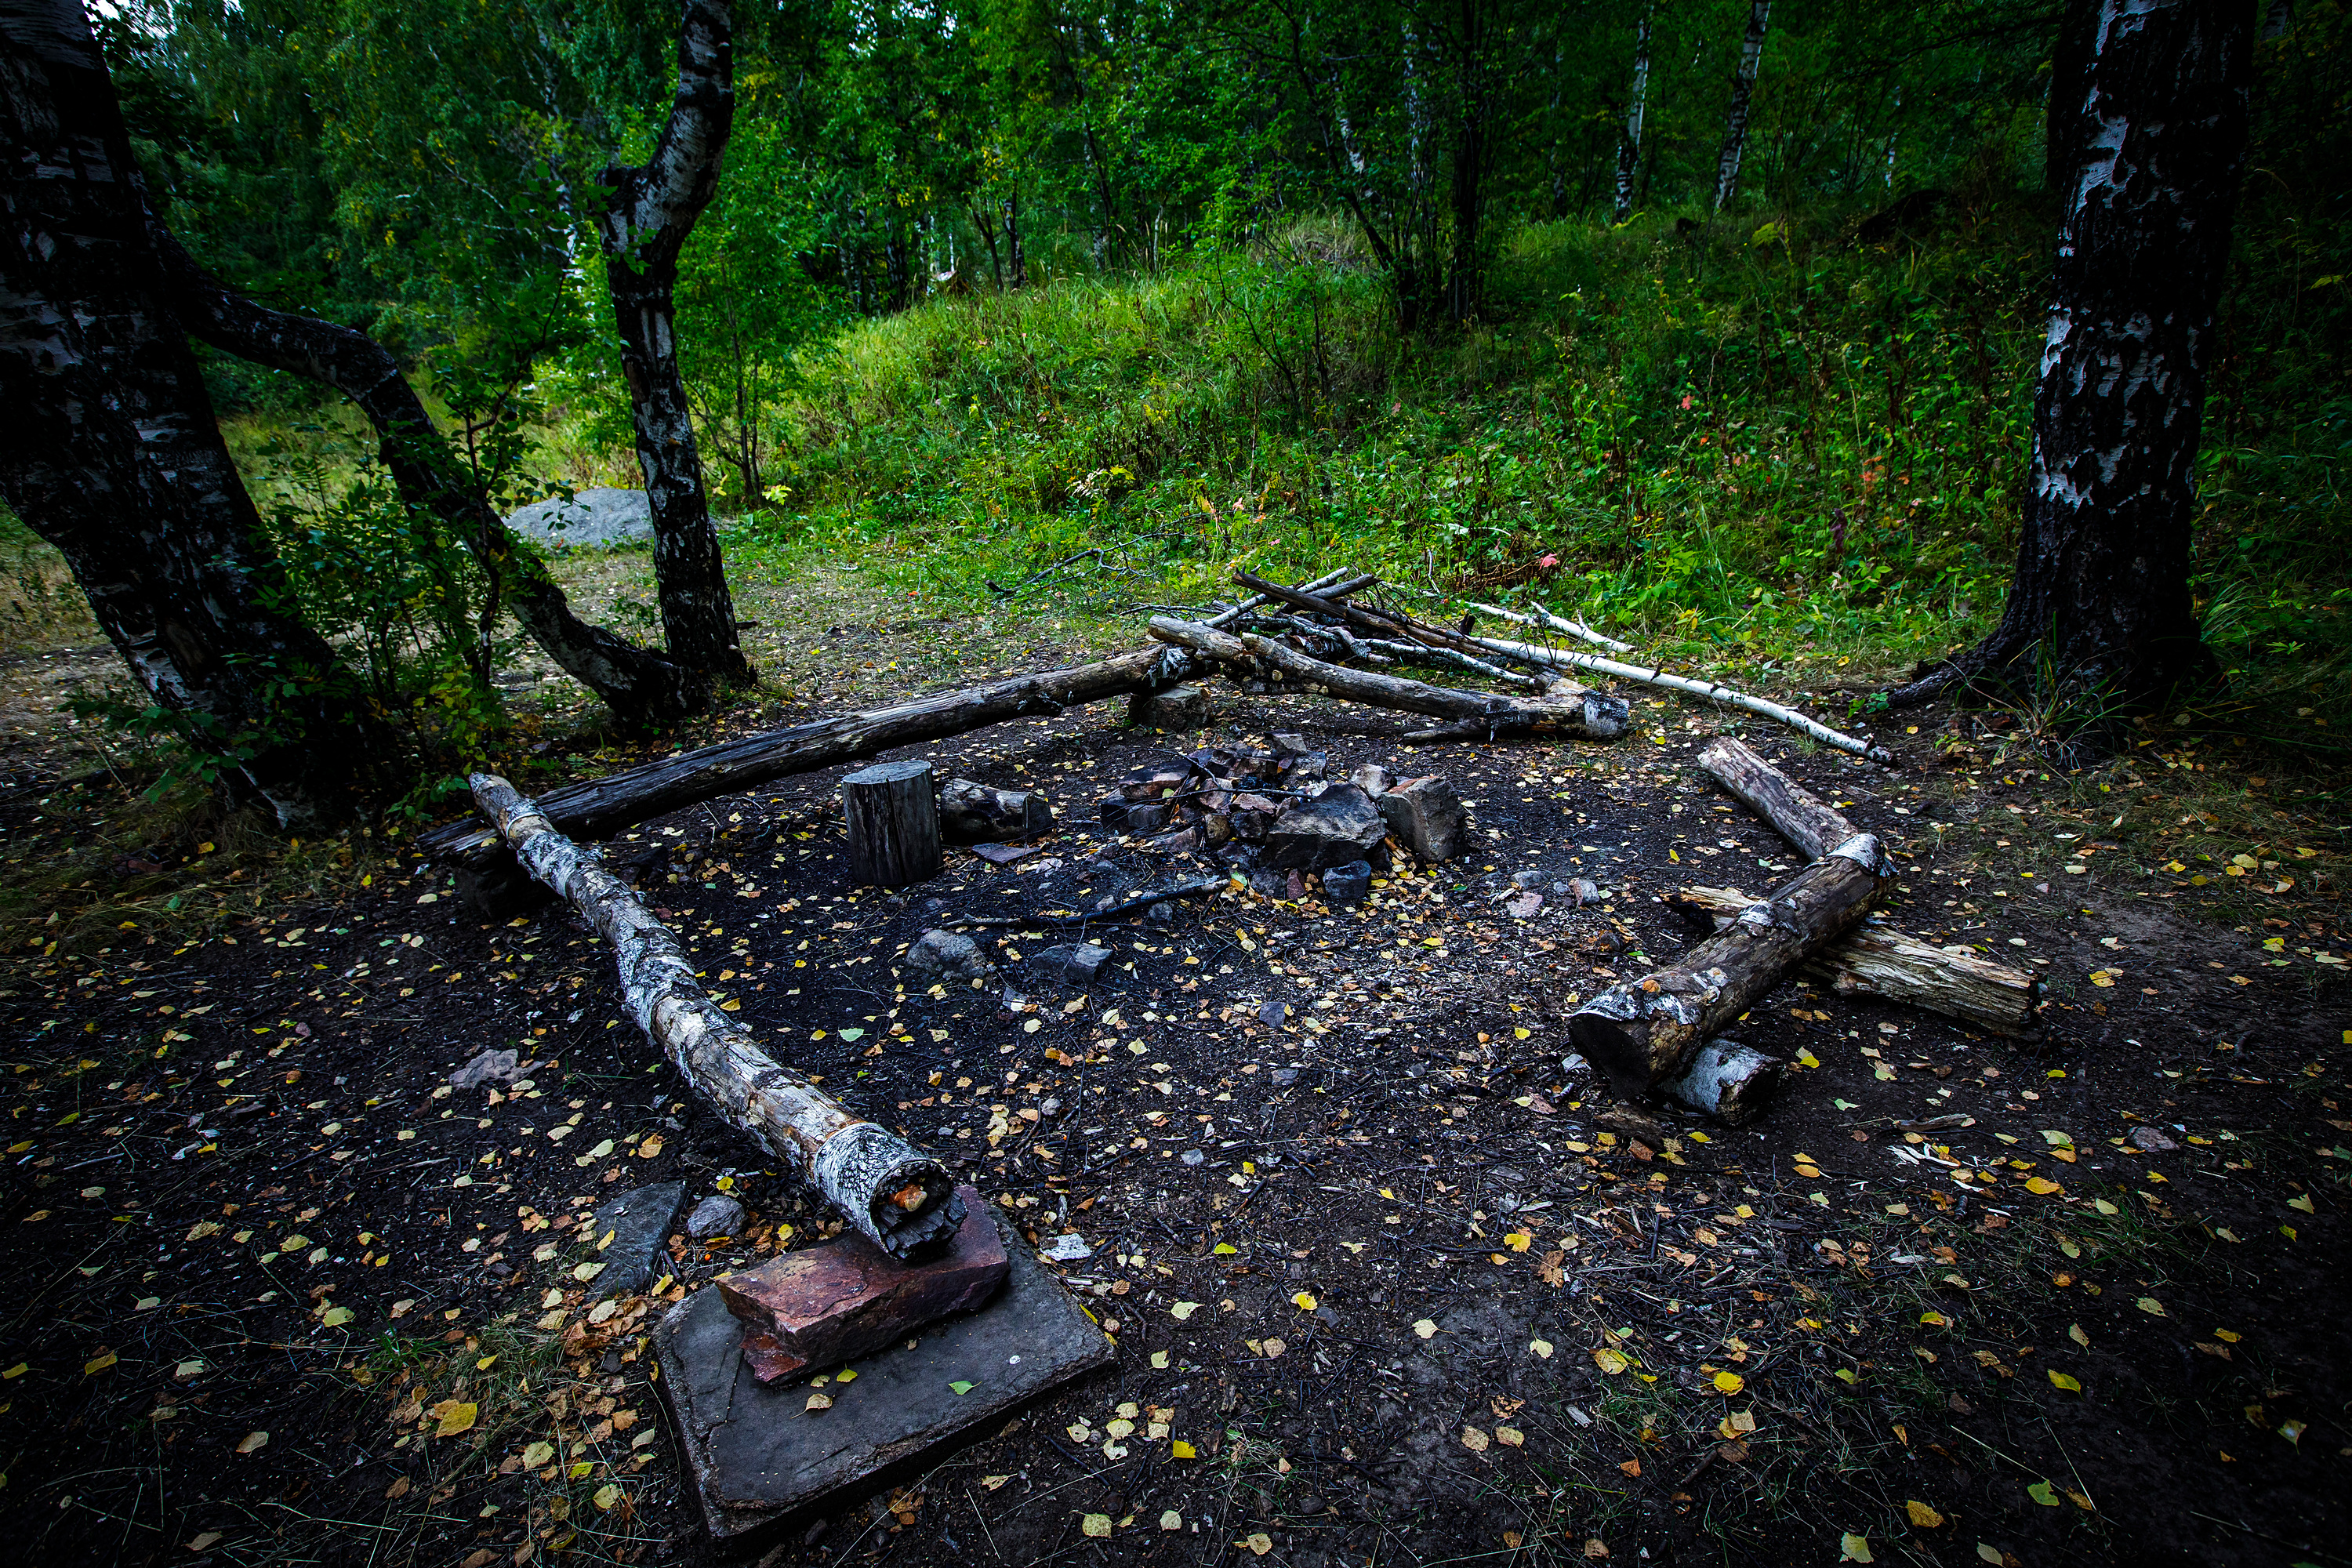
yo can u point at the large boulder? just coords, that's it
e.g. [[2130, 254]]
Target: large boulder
[[1338, 825], [598, 518]]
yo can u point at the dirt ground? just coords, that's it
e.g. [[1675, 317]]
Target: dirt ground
[[1388, 1284]]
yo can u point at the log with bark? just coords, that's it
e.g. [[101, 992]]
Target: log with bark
[[1574, 711], [1641, 1032], [1799, 815], [972, 811], [599, 807], [900, 1197], [1875, 960]]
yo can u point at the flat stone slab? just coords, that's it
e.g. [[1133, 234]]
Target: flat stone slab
[[598, 519], [639, 1223], [756, 1454], [810, 1310]]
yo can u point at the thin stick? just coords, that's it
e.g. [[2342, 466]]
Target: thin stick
[[900, 1198], [1549, 622], [1706, 691]]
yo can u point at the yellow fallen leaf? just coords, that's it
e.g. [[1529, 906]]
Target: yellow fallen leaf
[[1475, 1440], [1097, 1525], [1609, 1360], [651, 1147], [253, 1441], [1923, 1516], [1518, 1241], [1542, 1348], [538, 1455], [2151, 1306], [2067, 1382], [1425, 1328], [1730, 1383], [1510, 1437], [2042, 1186], [99, 1363], [819, 1402], [452, 1416], [1303, 1301], [606, 1496], [1181, 1450], [1852, 1548], [992, 1482], [1183, 1311], [1259, 1543]]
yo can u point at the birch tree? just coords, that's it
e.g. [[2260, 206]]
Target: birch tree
[[1743, 87], [2100, 601], [1629, 151]]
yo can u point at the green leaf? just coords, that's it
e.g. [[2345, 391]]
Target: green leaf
[[2042, 1493], [959, 1387]]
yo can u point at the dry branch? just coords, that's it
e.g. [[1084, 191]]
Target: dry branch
[[1585, 712], [1879, 961], [900, 1197], [1551, 623]]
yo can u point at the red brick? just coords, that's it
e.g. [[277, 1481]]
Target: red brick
[[828, 1304]]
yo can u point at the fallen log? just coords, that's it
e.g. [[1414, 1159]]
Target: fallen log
[[895, 1194], [1725, 1079], [598, 807], [1799, 815], [1707, 691], [970, 811], [1641, 1031], [1577, 711], [1878, 961]]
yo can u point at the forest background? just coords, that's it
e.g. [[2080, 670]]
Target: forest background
[[1462, 293]]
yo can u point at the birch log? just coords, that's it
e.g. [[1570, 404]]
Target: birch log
[[1799, 815], [1583, 712], [1641, 1031], [900, 1197], [1551, 623], [1878, 961]]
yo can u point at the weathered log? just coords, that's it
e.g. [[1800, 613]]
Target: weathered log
[[1727, 1081], [892, 813], [897, 1196], [1799, 815], [1588, 714], [1873, 959], [972, 811], [1641, 1031], [598, 807]]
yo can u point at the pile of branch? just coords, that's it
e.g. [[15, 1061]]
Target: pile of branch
[[900, 1198]]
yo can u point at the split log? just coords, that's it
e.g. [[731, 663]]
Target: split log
[[971, 812], [1706, 691], [897, 1196], [1799, 815], [1641, 1031], [1587, 713], [598, 807], [1873, 959], [892, 812]]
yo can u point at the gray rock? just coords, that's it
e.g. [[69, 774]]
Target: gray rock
[[1273, 1014], [1113, 808], [1192, 1157], [598, 518], [1145, 817], [1162, 913], [1289, 743], [2148, 1141], [717, 1215], [1347, 884], [1340, 825], [1072, 963], [1285, 1076], [1178, 708], [1426, 816], [1067, 1247], [1270, 884], [946, 954], [1583, 890], [1526, 879], [504, 1065], [630, 1234]]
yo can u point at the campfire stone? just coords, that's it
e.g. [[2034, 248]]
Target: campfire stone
[[1067, 1247], [825, 1305], [1372, 779], [756, 1453], [1336, 826], [947, 953], [1526, 879], [638, 1223], [717, 1215], [1347, 884], [1113, 809], [1178, 708], [1072, 963], [1426, 816]]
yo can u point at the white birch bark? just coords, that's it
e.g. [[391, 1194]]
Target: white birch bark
[[900, 1197], [1743, 87]]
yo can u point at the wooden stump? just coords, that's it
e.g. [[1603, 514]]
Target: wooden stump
[[894, 824]]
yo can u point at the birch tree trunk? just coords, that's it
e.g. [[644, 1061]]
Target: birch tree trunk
[[2099, 610], [638, 684], [901, 1198], [1743, 87], [647, 217], [1629, 151], [109, 450]]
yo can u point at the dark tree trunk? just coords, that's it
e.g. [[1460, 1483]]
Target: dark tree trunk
[[1629, 151], [639, 686], [1743, 87], [1466, 191], [1020, 256], [650, 212], [2100, 602], [2065, 122], [109, 449]]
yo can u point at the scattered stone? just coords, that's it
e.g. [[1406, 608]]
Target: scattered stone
[[970, 811], [1162, 913], [1526, 879], [717, 1215], [946, 953], [1183, 839], [1583, 890], [1340, 825], [756, 1455], [1372, 779], [1349, 884], [1178, 708], [1191, 1157], [1285, 1076], [1273, 1014], [1269, 884], [504, 1065], [1426, 816], [2148, 1141], [630, 1234], [1290, 743], [1112, 808], [1067, 1247], [1003, 855], [825, 1305], [1074, 964], [593, 519]]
